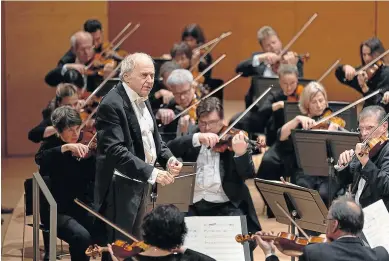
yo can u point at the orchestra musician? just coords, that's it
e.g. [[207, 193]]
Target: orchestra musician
[[368, 174], [128, 143], [345, 221], [220, 188], [346, 74], [70, 178], [280, 159], [180, 83], [257, 65]]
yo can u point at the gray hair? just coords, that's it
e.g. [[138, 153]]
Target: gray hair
[[348, 213], [129, 62], [374, 110], [77, 37], [288, 69], [265, 32], [180, 77], [308, 93]]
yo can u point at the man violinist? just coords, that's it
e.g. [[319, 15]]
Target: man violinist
[[368, 173], [345, 221], [220, 188]]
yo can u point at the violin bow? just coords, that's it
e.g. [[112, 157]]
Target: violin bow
[[121, 230], [209, 67], [329, 70], [203, 98], [372, 62], [245, 112], [223, 35], [313, 17], [119, 34], [125, 37], [291, 220], [217, 40]]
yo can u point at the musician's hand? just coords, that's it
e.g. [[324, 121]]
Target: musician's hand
[[208, 139], [108, 68], [166, 95], [79, 105], [165, 115], [78, 150], [195, 57], [306, 122], [261, 141], [349, 72], [362, 79], [277, 105], [290, 58], [183, 124], [164, 178], [333, 127], [267, 247], [272, 58], [359, 150], [385, 99], [76, 66], [239, 144], [345, 157], [174, 166], [114, 258]]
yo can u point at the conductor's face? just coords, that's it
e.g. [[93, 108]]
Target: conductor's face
[[141, 79]]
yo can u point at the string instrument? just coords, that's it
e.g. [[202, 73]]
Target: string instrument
[[324, 125], [372, 67], [370, 145], [96, 67], [120, 249], [296, 95], [302, 57], [286, 243]]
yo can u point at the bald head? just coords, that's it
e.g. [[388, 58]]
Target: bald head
[[348, 214], [82, 46]]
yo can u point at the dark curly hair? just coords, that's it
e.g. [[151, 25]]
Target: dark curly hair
[[164, 227]]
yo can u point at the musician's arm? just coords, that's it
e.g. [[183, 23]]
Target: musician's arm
[[341, 76], [245, 166], [287, 128], [180, 145], [246, 68], [54, 77]]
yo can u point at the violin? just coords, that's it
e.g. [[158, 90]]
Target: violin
[[296, 95], [373, 69], [302, 57], [120, 248], [373, 146], [286, 243], [326, 124]]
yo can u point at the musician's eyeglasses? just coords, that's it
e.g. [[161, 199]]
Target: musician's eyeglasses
[[367, 129], [210, 124]]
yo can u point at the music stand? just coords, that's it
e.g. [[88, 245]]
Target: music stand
[[317, 151], [107, 87], [291, 110], [179, 193]]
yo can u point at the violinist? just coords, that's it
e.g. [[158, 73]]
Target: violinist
[[362, 83], [258, 65], [368, 173], [69, 179], [220, 188], [164, 230], [180, 83], [345, 221], [280, 159]]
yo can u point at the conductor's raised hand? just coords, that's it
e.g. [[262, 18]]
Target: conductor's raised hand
[[174, 166], [164, 178]]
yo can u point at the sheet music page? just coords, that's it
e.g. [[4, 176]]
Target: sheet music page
[[376, 227], [215, 237], [276, 182]]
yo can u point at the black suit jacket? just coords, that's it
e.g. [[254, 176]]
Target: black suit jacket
[[233, 171], [376, 174], [119, 143], [343, 249]]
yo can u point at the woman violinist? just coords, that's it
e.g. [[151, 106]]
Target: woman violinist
[[364, 82]]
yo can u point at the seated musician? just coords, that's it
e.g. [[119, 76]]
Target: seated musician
[[161, 94], [258, 64], [220, 188], [164, 230], [346, 74], [180, 83], [345, 221], [368, 174], [66, 94], [70, 178], [82, 46], [193, 35], [280, 159]]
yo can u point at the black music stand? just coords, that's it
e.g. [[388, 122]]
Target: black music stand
[[179, 193], [317, 151], [304, 205], [107, 87], [291, 110]]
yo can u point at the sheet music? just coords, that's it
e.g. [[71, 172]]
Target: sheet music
[[215, 237], [376, 227], [276, 182]]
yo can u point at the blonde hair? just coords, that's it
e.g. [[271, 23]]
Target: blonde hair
[[265, 32], [307, 95]]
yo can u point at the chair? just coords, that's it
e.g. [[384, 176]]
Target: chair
[[28, 211]]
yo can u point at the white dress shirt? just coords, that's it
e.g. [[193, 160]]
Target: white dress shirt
[[147, 128], [361, 185], [208, 181], [268, 70]]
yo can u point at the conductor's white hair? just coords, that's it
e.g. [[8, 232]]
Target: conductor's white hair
[[129, 62], [179, 77], [75, 38]]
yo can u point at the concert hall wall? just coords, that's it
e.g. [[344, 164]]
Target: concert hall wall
[[37, 35]]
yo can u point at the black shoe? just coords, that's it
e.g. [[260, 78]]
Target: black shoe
[[6, 210]]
